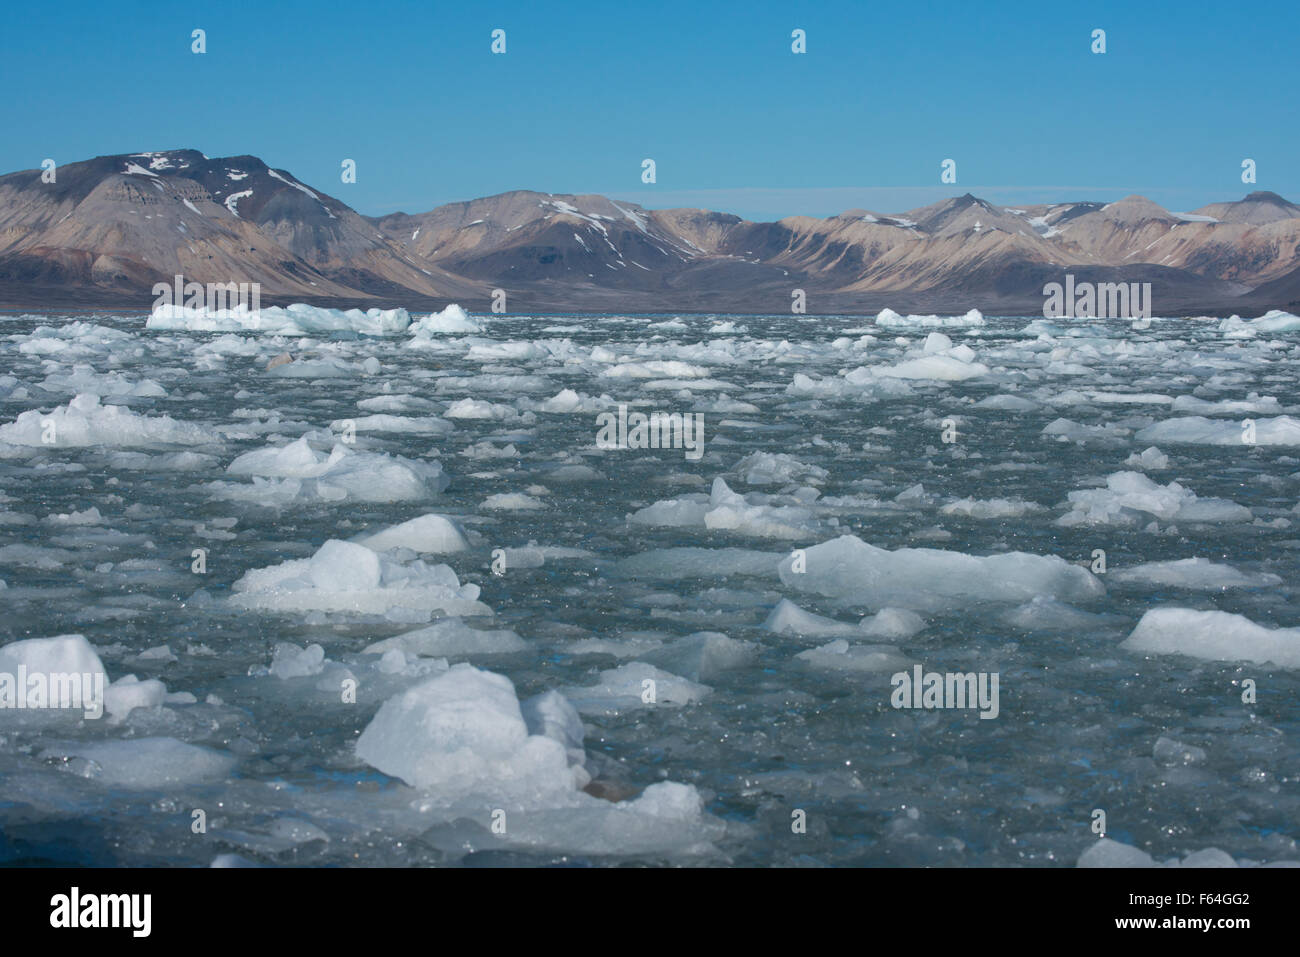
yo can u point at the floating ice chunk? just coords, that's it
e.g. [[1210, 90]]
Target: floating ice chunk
[[513, 502], [631, 686], [1131, 497], [1108, 853], [891, 319], [567, 401], [478, 409], [128, 693], [428, 534], [295, 831], [451, 638], [574, 472], [551, 715], [849, 569], [327, 367], [77, 337], [1208, 857], [463, 733], [728, 510], [1151, 459], [1196, 574], [841, 655], [936, 342], [914, 493], [767, 468], [860, 383], [344, 474], [1047, 614], [940, 368], [295, 460], [1275, 320], [1213, 636], [891, 623], [84, 422], [673, 512], [996, 508], [146, 763], [1172, 753], [346, 577], [668, 818], [1252, 404], [298, 319], [1199, 430], [63, 654], [452, 320], [89, 516], [701, 656], [382, 422], [84, 378], [35, 556], [506, 351], [656, 369], [290, 661], [66, 667], [789, 618], [1007, 403], [1070, 430], [403, 402]]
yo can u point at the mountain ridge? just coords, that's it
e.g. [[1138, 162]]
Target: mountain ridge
[[110, 227]]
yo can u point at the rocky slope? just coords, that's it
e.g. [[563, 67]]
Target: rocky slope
[[112, 226]]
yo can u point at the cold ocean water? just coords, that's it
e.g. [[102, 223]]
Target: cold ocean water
[[1102, 516]]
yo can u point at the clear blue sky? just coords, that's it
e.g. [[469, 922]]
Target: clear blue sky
[[709, 90]]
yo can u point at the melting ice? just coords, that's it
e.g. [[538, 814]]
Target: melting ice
[[363, 588]]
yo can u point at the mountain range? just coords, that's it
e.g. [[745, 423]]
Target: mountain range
[[106, 229]]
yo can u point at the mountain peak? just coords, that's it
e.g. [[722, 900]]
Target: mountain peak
[[1257, 209], [1135, 209], [1266, 196]]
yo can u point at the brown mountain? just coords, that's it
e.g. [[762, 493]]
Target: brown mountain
[[110, 227]]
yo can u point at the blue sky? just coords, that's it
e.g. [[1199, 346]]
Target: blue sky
[[710, 91]]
